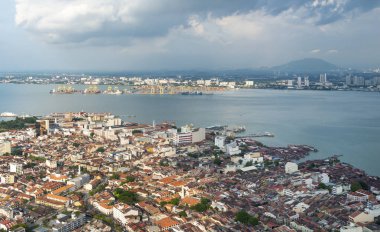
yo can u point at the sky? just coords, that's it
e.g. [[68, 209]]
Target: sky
[[142, 35]]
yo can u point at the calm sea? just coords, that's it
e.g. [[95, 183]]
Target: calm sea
[[343, 123]]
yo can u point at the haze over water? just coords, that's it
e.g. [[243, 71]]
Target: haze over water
[[344, 123]]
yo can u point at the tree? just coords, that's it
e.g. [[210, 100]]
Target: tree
[[100, 149], [137, 132], [126, 196], [174, 201], [164, 163], [182, 213], [267, 162], [364, 185], [99, 188], [245, 218], [249, 163], [217, 161], [115, 176], [76, 144], [356, 185], [203, 206], [130, 178]]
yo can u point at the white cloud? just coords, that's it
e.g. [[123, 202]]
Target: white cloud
[[315, 51], [72, 20], [332, 51]]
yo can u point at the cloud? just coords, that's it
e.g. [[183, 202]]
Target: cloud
[[332, 51], [105, 22], [314, 51]]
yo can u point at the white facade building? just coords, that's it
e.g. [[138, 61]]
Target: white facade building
[[249, 83], [15, 168], [125, 214], [291, 167], [5, 147], [299, 82], [190, 135], [80, 180], [232, 149], [51, 163], [324, 178], [220, 141]]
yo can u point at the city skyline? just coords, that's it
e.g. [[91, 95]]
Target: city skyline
[[123, 35]]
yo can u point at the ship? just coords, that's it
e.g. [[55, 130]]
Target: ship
[[111, 90], [93, 89], [63, 89]]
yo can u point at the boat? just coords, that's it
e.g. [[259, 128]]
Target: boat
[[93, 89], [114, 91], [63, 89], [8, 114]]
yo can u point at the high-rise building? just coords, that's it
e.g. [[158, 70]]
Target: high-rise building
[[299, 82], [358, 81], [307, 83], [190, 135], [15, 168], [220, 141], [5, 147], [323, 78], [376, 80], [291, 167], [348, 80], [42, 127]]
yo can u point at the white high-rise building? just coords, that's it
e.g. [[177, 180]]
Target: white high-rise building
[[307, 83], [291, 167], [299, 82], [323, 78], [324, 178], [5, 147], [15, 168], [190, 135], [220, 141], [232, 149]]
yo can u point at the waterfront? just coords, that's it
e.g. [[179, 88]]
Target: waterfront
[[344, 123]]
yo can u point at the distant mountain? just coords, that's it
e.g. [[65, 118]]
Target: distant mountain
[[307, 65]]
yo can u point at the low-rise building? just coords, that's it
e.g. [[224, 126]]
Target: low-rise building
[[66, 223]]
